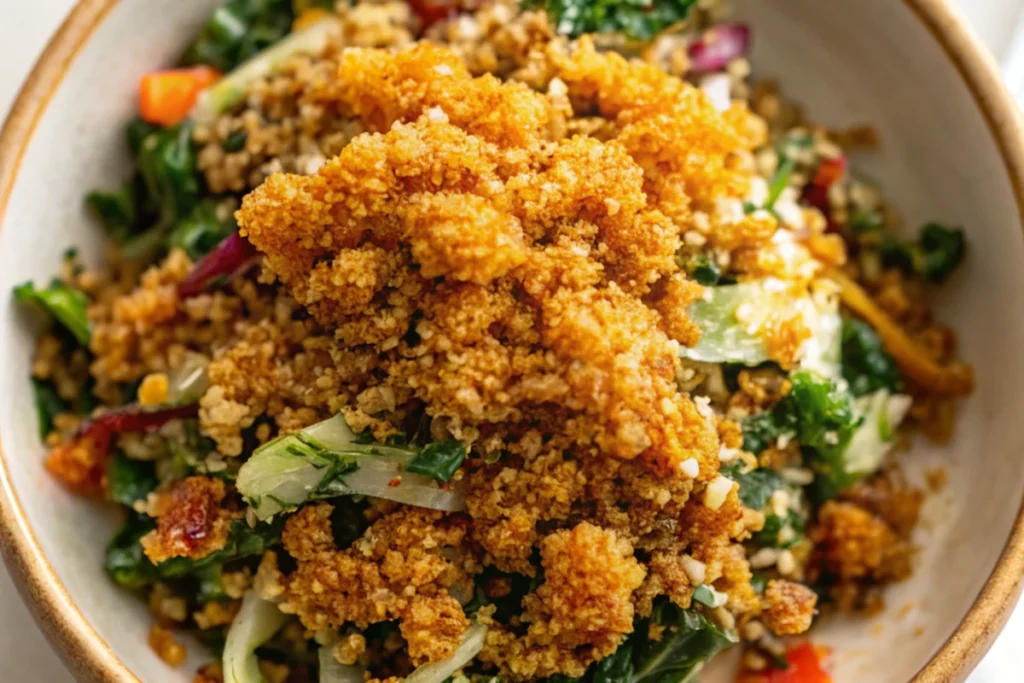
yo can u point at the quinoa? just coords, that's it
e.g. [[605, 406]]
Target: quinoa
[[481, 232]]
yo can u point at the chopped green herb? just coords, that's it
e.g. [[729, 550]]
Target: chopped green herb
[[780, 181], [638, 19], [438, 460], [65, 303]]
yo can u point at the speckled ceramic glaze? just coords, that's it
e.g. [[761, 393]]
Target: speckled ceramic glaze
[[952, 150]]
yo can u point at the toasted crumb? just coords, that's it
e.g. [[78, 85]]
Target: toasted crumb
[[166, 646], [190, 520], [788, 607]]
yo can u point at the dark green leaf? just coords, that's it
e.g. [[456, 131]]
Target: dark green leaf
[[936, 253], [689, 641], [167, 161], [773, 525], [130, 480], [638, 19], [821, 418], [941, 250], [760, 432], [439, 460], [235, 141], [48, 405], [867, 366], [243, 541], [209, 587], [115, 210], [756, 486], [125, 561], [66, 304], [202, 230], [136, 132], [239, 29]]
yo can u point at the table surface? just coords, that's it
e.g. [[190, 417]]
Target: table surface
[[24, 32]]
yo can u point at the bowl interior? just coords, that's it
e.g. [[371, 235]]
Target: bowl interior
[[871, 61]]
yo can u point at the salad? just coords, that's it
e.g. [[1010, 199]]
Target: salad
[[493, 341]]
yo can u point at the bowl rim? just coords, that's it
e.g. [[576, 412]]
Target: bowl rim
[[91, 658]]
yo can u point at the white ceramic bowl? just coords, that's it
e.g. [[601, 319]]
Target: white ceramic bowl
[[952, 151]]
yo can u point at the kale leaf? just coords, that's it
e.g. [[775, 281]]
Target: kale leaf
[[127, 564], [439, 460], [768, 536], [125, 561], [936, 253], [867, 366], [130, 480], [761, 431], [202, 230], [821, 418], [756, 486], [117, 210], [239, 29], [64, 303], [49, 404], [638, 19]]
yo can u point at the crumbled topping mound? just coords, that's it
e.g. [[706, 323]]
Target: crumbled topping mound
[[469, 199]]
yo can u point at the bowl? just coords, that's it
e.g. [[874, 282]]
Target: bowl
[[953, 149]]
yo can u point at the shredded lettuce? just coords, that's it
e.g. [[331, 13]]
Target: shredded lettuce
[[730, 318], [882, 412], [333, 671], [256, 623], [230, 90], [327, 460], [437, 672]]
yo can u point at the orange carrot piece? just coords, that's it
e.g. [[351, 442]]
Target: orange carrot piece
[[167, 97], [804, 666]]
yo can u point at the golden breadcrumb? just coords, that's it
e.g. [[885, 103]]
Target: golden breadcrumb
[[788, 607], [191, 520], [399, 569]]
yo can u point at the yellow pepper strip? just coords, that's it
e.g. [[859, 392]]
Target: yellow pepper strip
[[955, 379]]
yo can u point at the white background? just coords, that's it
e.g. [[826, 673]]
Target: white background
[[24, 29]]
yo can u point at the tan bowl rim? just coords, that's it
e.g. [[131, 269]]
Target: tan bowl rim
[[92, 659]]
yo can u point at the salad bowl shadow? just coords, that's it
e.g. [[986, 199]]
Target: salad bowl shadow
[[953, 149]]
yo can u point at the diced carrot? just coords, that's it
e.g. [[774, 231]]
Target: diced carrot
[[167, 97], [309, 17], [804, 666]]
